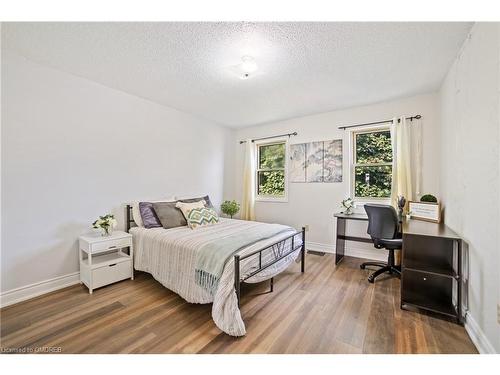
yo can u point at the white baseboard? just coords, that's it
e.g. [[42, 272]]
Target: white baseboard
[[477, 336], [24, 293], [316, 246], [349, 251]]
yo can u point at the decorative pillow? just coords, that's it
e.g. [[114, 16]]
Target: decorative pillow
[[136, 212], [169, 215], [148, 215], [198, 217], [206, 198], [187, 207]]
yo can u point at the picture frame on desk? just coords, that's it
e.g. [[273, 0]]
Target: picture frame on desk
[[427, 211]]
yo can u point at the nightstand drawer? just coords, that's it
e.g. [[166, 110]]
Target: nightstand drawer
[[111, 273], [99, 247]]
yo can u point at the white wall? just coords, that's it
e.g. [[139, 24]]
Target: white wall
[[315, 203], [73, 149], [469, 100]]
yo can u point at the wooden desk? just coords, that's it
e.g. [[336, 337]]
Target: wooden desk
[[431, 269], [431, 265], [341, 237]]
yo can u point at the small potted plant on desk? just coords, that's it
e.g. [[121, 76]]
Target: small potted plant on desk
[[428, 198]]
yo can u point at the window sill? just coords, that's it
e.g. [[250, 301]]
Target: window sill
[[362, 201], [272, 200]]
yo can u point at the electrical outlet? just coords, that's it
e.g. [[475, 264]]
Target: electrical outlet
[[307, 227]]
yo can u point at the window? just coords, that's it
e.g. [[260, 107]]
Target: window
[[372, 164], [271, 171]]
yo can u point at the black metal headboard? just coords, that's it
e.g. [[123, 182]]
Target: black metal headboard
[[129, 218]]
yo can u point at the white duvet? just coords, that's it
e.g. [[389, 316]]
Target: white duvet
[[170, 256]]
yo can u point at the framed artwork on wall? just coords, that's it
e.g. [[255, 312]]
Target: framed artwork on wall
[[332, 163], [316, 161], [297, 168]]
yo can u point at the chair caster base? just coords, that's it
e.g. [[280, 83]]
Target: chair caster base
[[392, 270]]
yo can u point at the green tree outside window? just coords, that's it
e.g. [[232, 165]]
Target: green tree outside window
[[372, 164], [271, 170]]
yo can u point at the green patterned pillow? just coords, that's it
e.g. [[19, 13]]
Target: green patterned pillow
[[198, 217]]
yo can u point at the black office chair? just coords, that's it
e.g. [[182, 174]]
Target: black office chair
[[383, 226]]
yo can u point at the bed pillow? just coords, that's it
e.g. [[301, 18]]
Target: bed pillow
[[198, 217], [186, 207], [148, 215], [206, 198], [169, 215], [136, 212]]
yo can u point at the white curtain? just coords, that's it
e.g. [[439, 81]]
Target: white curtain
[[416, 131], [248, 200], [401, 160]]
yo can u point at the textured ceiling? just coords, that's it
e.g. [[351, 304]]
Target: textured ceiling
[[304, 68]]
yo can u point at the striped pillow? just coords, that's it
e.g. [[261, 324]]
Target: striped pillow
[[198, 217]]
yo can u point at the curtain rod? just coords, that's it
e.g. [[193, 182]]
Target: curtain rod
[[416, 117], [273, 136]]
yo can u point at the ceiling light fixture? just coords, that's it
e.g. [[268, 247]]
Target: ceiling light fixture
[[248, 66]]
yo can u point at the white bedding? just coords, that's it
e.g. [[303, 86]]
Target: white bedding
[[170, 256]]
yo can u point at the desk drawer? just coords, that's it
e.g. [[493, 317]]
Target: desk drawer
[[119, 243], [111, 273]]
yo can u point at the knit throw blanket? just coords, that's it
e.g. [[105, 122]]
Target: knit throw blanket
[[212, 256]]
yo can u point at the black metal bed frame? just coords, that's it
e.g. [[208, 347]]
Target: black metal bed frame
[[277, 248], [278, 251]]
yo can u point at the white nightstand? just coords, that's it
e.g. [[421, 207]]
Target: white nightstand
[[103, 261]]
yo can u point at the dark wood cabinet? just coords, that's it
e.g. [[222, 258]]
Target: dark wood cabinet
[[431, 269]]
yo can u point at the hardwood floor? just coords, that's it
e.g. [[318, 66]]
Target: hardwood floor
[[326, 310]]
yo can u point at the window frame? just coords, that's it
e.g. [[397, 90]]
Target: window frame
[[353, 165], [270, 198]]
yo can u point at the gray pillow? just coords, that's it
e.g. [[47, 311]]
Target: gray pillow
[[206, 198], [148, 215], [169, 215], [172, 217]]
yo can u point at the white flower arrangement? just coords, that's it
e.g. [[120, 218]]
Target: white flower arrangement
[[107, 223], [348, 204]]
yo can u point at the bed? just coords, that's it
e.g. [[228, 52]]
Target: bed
[[171, 256]]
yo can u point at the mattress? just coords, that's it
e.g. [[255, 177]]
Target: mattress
[[170, 255]]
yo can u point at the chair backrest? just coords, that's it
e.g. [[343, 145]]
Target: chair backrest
[[382, 221]]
